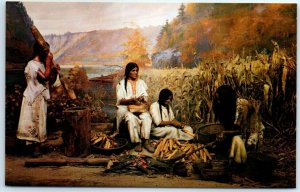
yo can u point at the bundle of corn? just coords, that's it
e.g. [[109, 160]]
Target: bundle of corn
[[170, 148], [167, 148], [101, 140], [195, 154]]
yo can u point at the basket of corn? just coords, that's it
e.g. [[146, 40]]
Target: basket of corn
[[105, 144]]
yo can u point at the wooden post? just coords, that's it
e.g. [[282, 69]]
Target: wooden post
[[77, 132], [66, 161], [39, 38]]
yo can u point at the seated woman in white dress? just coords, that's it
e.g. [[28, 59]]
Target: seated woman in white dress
[[166, 125], [133, 91]]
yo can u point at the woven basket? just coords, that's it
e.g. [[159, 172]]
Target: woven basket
[[215, 174], [122, 143], [218, 170], [207, 133]]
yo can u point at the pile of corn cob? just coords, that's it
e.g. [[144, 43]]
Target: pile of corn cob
[[102, 140], [168, 148]]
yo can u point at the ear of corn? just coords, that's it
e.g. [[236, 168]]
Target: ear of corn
[[168, 148], [101, 140]]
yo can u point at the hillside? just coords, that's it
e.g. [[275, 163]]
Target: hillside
[[213, 31], [19, 39], [100, 47]]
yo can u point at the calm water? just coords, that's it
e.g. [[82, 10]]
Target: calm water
[[17, 76], [95, 71]]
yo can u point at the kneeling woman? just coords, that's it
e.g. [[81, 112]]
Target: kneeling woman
[[166, 125]]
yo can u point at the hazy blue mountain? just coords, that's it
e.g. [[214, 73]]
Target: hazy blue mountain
[[95, 47]]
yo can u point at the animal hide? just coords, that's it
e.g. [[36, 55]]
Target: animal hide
[[247, 117]]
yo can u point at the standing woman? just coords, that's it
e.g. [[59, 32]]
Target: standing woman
[[32, 122], [166, 125], [133, 91]]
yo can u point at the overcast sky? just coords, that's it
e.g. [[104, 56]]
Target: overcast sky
[[59, 18]]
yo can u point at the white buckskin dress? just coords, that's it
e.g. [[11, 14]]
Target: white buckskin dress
[[33, 115], [168, 131], [139, 126]]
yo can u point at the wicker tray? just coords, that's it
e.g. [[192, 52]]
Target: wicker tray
[[137, 108]]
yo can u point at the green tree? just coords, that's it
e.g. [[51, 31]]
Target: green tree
[[165, 28], [181, 13], [163, 38]]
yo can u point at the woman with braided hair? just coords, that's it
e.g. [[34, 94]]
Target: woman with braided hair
[[132, 91], [165, 124]]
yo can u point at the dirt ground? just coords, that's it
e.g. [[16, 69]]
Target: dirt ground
[[16, 174]]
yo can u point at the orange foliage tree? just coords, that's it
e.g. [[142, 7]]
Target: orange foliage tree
[[252, 28], [222, 30], [135, 49]]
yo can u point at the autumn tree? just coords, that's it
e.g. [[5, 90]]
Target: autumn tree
[[195, 42], [135, 49], [196, 11], [78, 80], [222, 30], [248, 28]]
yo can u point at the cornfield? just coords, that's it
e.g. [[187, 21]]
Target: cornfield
[[270, 80]]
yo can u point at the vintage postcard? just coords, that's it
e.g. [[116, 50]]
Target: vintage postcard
[[150, 94]]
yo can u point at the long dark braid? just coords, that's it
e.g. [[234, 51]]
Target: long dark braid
[[128, 68], [163, 96]]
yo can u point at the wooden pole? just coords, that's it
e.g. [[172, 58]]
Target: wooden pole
[[39, 38], [65, 162]]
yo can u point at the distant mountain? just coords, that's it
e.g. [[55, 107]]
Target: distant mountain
[[96, 47]]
